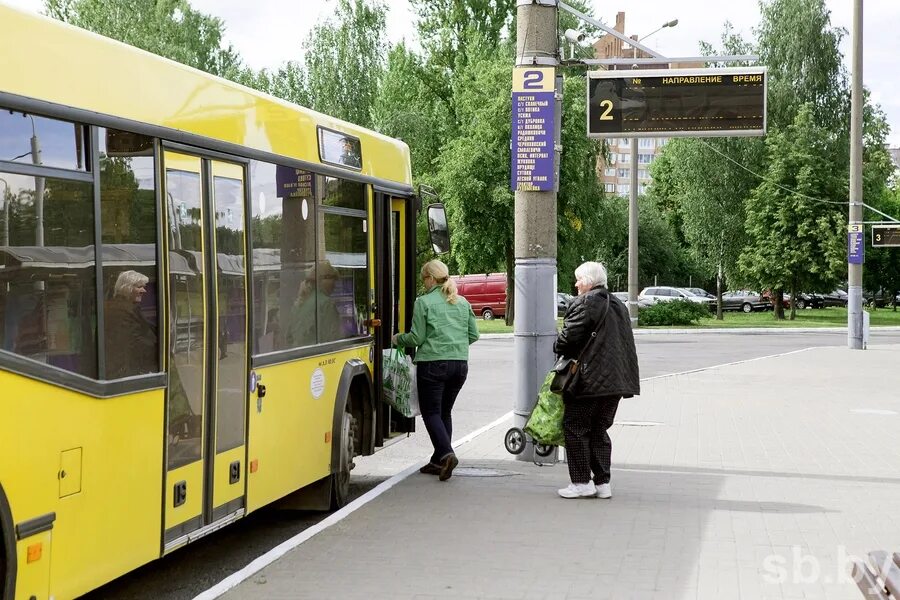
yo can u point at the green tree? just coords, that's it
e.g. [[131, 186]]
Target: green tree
[[703, 186], [802, 52], [344, 61], [169, 28], [408, 109], [796, 219]]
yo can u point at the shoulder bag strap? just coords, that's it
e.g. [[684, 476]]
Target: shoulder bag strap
[[596, 331]]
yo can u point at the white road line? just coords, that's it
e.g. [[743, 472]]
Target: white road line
[[258, 564], [731, 364]]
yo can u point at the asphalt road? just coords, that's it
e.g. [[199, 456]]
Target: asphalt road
[[486, 397]]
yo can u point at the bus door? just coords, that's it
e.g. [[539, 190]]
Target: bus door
[[207, 346], [395, 285]]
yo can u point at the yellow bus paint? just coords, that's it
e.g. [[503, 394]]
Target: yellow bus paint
[[113, 522], [286, 425]]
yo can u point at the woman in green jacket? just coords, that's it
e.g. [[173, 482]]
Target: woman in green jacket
[[443, 326]]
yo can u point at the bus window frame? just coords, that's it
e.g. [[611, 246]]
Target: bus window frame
[[174, 139]]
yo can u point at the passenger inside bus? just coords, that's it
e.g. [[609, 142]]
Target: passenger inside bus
[[131, 338], [314, 304]]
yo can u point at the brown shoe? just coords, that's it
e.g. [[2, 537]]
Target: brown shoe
[[430, 469], [447, 465]]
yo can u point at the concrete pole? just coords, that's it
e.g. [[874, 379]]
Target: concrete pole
[[855, 271], [633, 284], [535, 236]]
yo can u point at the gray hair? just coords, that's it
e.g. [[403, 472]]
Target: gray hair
[[127, 282], [592, 273]]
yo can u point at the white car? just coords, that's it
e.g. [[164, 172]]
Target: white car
[[652, 295]]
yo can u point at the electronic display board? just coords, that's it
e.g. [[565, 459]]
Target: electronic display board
[[885, 235], [677, 102]]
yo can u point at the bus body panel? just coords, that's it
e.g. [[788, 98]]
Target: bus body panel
[[192, 476], [224, 490], [290, 431], [108, 511], [93, 538], [33, 577], [189, 100]]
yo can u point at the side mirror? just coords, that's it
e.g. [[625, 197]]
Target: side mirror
[[437, 227]]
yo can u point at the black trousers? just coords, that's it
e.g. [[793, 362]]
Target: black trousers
[[588, 447], [439, 383]]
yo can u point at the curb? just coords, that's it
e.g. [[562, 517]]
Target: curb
[[729, 330]]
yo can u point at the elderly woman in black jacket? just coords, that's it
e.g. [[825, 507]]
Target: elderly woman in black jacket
[[607, 372]]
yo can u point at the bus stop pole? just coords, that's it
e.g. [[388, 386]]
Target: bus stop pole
[[535, 233], [633, 284], [855, 233]]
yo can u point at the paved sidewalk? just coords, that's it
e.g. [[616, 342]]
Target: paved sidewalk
[[753, 480]]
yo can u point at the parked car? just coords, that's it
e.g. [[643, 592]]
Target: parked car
[[836, 298], [562, 303], [623, 296], [700, 292], [744, 300], [879, 299], [486, 293], [804, 300], [652, 295]]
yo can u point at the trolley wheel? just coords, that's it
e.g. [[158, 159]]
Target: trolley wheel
[[514, 440], [543, 450]]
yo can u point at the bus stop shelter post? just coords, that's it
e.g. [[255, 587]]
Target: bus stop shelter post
[[633, 284], [855, 234], [535, 231]]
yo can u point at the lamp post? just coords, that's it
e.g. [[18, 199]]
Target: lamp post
[[5, 213], [633, 282]]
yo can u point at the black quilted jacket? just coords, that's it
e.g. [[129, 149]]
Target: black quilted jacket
[[610, 366]]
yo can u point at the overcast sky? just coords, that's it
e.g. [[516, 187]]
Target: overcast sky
[[269, 32]]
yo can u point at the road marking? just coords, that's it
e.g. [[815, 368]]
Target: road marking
[[258, 564]]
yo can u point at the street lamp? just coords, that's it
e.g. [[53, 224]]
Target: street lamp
[[633, 212], [5, 213], [671, 23]]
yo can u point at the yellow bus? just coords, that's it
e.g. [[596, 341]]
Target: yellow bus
[[197, 281]]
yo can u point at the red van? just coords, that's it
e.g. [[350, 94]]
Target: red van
[[486, 293]]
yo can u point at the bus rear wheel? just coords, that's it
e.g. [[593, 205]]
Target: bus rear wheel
[[340, 479]]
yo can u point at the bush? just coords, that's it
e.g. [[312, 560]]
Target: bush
[[676, 312]]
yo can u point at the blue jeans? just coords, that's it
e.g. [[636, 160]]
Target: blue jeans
[[439, 382]]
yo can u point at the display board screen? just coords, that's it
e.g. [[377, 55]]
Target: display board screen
[[677, 102]]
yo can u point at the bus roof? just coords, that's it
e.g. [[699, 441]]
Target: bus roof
[[68, 66]]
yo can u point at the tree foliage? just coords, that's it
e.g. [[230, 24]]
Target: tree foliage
[[796, 233], [344, 61], [802, 52]]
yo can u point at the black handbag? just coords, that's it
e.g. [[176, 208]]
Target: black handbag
[[567, 369]]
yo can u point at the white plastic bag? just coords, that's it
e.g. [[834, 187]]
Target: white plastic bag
[[399, 382]]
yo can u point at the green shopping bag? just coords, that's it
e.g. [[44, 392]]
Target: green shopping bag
[[400, 382], [545, 424]]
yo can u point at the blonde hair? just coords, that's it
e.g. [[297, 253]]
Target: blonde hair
[[441, 274], [127, 282]]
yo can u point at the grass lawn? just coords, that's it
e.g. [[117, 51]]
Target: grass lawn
[[823, 317]]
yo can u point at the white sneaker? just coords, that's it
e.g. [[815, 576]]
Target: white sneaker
[[604, 491], [579, 490]]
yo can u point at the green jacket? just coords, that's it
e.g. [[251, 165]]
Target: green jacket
[[440, 330]]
